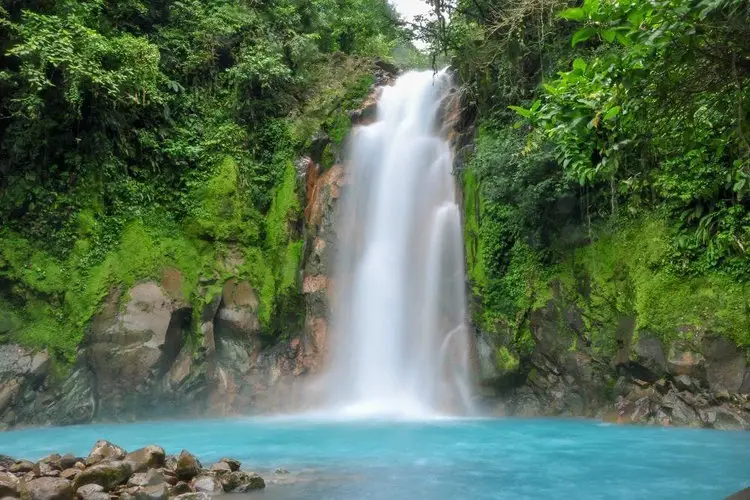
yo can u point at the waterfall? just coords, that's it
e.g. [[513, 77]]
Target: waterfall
[[400, 345]]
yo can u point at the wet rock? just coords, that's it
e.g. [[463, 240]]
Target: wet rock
[[180, 488], [187, 466], [207, 483], [9, 487], [729, 419], [104, 450], [49, 488], [234, 465], [146, 458], [22, 466], [70, 474], [241, 482], [105, 474]]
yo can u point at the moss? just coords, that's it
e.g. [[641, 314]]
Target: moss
[[505, 360], [628, 274]]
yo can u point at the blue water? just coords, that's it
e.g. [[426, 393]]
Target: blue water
[[454, 459]]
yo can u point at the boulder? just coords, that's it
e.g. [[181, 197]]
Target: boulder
[[685, 383], [130, 345], [150, 478], [52, 461], [237, 315], [686, 363], [241, 481], [146, 458], [152, 492], [70, 474], [234, 465], [6, 461], [725, 365], [187, 466], [649, 353], [729, 419], [104, 450], [87, 490], [49, 488], [221, 467], [207, 483], [180, 488], [681, 413], [67, 461], [9, 487], [22, 466], [105, 474]]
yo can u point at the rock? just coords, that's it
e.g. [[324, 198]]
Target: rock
[[685, 383], [6, 461], [22, 466], [52, 461], [9, 487], [234, 465], [740, 495], [104, 450], [187, 466], [686, 363], [49, 488], [241, 481], [127, 345], [70, 474], [146, 458], [207, 483], [79, 465], [649, 353], [179, 489], [198, 495], [681, 412], [725, 365], [152, 492], [661, 386], [729, 419], [150, 478], [67, 461], [91, 492], [281, 471], [46, 469], [221, 467], [105, 474]]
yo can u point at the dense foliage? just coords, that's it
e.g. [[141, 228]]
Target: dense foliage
[[141, 134], [613, 151]]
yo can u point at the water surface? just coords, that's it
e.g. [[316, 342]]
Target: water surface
[[448, 459]]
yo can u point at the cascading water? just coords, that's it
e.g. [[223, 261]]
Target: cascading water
[[400, 344]]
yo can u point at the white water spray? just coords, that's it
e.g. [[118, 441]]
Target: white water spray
[[400, 344]]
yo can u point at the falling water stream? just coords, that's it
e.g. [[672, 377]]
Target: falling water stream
[[400, 344]]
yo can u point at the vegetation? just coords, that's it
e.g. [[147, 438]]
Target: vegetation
[[138, 135], [612, 159]]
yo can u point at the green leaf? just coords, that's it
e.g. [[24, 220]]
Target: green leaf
[[609, 35], [526, 113], [574, 14], [582, 35], [613, 111], [579, 64]]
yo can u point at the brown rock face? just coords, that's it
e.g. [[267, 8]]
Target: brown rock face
[[128, 348]]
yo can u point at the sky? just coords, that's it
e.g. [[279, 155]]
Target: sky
[[410, 8]]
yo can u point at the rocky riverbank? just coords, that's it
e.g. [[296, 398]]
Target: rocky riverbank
[[110, 472]]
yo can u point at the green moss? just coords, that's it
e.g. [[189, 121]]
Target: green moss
[[627, 273], [505, 360]]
